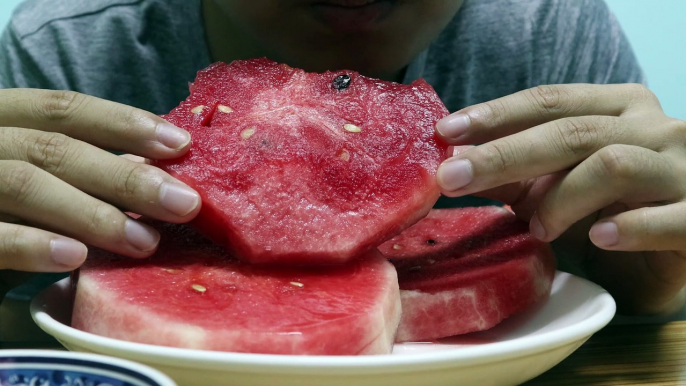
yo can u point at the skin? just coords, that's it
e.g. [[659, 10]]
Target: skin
[[597, 169], [289, 31], [60, 190]]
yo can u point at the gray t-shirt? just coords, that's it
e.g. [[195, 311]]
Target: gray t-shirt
[[143, 52]]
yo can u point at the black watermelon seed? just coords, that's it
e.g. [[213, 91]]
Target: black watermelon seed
[[341, 82], [431, 242]]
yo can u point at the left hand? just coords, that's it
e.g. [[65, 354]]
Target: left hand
[[585, 161]]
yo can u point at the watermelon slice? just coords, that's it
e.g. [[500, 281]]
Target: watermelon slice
[[464, 270], [307, 168], [191, 294]]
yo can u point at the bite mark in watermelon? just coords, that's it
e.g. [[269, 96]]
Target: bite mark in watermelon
[[465, 270], [297, 167], [191, 294]]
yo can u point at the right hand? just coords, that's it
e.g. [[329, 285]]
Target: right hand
[[59, 190]]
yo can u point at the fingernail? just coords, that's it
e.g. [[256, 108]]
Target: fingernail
[[68, 252], [454, 125], [453, 175], [178, 199], [604, 234], [172, 136], [536, 228], [141, 236]]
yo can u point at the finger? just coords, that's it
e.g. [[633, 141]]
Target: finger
[[509, 194], [523, 197], [102, 123], [134, 186], [43, 200], [658, 228], [542, 150], [29, 249], [513, 113], [615, 174], [136, 159]]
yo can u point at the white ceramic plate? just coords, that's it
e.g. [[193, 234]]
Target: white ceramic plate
[[517, 350]]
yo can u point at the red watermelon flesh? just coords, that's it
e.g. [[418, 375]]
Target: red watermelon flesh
[[465, 270], [293, 170], [191, 294]]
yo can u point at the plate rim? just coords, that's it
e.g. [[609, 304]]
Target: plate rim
[[87, 359], [604, 304]]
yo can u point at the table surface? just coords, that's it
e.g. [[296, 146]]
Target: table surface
[[625, 355], [640, 354]]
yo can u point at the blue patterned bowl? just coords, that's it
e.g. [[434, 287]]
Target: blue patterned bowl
[[63, 368]]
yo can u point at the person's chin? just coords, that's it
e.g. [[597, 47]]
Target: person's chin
[[352, 16]]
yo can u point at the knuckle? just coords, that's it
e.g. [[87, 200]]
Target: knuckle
[[100, 219], [18, 181], [501, 156], [12, 244], [60, 105], [48, 151], [548, 99], [619, 161], [641, 93], [577, 136], [130, 121], [130, 118], [494, 112], [131, 179], [676, 130]]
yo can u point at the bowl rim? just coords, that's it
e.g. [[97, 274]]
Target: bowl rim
[[121, 366]]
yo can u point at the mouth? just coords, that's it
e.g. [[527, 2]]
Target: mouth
[[346, 3], [352, 16]]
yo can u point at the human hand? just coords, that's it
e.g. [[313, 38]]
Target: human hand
[[580, 162], [59, 189]]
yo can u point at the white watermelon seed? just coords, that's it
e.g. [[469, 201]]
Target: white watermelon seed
[[199, 288], [431, 261], [351, 128], [173, 271], [197, 109], [297, 284], [345, 156], [225, 109], [416, 268], [397, 246], [247, 133]]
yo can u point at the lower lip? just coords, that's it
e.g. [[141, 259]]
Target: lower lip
[[344, 19]]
